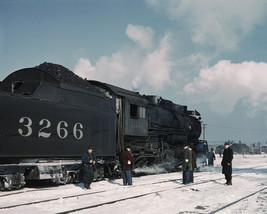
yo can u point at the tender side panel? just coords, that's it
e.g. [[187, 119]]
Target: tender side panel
[[37, 128]]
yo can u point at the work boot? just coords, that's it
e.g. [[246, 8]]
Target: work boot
[[229, 182]]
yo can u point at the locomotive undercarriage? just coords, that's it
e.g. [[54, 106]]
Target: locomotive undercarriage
[[58, 172], [155, 149], [11, 177], [143, 151], [163, 146], [15, 176]]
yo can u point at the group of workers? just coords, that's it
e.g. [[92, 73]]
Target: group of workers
[[89, 161], [189, 164]]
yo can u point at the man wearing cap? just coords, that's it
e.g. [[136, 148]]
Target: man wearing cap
[[227, 163], [187, 165], [211, 157], [88, 162], [126, 161]]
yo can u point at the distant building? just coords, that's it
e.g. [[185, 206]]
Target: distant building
[[240, 148], [258, 149], [219, 149]]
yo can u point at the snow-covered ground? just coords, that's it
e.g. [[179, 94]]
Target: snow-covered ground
[[162, 193]]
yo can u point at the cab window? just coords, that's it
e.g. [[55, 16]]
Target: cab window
[[137, 111]]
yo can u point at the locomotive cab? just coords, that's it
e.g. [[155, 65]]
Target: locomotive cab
[[132, 117]]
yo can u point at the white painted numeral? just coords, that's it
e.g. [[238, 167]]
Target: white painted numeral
[[28, 126], [62, 132], [42, 133], [46, 124], [78, 134]]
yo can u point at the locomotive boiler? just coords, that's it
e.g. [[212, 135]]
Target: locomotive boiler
[[49, 116]]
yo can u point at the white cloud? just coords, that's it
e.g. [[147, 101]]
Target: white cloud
[[193, 63], [143, 36], [132, 67], [220, 24], [84, 67], [224, 84], [156, 67]]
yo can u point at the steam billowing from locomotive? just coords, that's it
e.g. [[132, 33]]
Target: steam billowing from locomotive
[[49, 116]]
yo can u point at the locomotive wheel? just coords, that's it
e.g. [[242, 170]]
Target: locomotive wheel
[[140, 163], [67, 178], [152, 161]]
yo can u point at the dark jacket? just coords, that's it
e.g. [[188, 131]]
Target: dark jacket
[[126, 160], [187, 160], [227, 161], [86, 161], [211, 157]]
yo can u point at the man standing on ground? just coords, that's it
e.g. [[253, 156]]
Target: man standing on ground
[[211, 157], [126, 159], [187, 165], [227, 163], [88, 162]]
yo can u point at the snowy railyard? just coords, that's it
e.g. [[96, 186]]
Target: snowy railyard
[[161, 193]]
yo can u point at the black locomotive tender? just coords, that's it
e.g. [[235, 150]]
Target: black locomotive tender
[[49, 116]]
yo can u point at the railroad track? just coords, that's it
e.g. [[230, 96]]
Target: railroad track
[[142, 195], [51, 188], [46, 189], [6, 208], [97, 192], [237, 201], [164, 190], [25, 191], [137, 196]]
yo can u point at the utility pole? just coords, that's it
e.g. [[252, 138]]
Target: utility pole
[[204, 128]]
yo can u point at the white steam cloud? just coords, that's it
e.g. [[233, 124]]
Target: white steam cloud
[[224, 84]]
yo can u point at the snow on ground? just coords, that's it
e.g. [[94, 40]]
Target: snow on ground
[[162, 193]]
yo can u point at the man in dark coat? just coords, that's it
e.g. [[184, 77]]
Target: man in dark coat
[[194, 164], [126, 164], [88, 162], [211, 157], [187, 164], [227, 163]]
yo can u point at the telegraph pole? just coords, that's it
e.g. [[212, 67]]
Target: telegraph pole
[[204, 128]]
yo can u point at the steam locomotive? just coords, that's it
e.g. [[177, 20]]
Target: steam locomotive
[[49, 116]]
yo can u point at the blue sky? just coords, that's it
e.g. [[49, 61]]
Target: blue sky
[[208, 54]]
